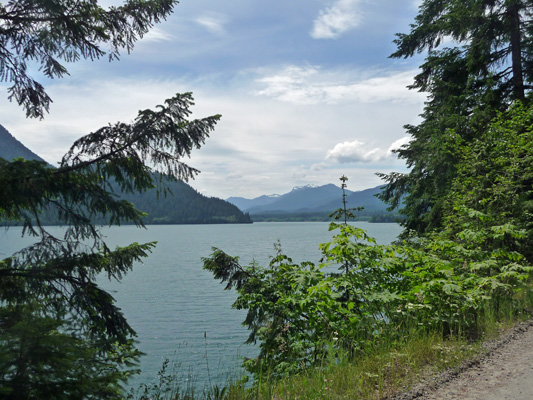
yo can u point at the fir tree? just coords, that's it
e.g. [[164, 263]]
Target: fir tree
[[486, 64], [61, 336]]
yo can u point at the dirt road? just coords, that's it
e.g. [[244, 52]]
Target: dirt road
[[504, 372]]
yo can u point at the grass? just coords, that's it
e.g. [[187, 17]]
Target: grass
[[386, 369], [383, 371]]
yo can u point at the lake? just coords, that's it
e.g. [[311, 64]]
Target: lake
[[179, 311]]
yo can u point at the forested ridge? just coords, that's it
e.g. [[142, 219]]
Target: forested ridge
[[184, 205], [181, 204]]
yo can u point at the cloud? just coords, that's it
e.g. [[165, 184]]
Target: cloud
[[261, 145], [157, 35], [342, 16], [214, 23], [311, 85], [299, 172], [235, 175], [398, 144], [292, 85], [356, 151]]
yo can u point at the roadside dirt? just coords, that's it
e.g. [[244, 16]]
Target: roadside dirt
[[503, 372]]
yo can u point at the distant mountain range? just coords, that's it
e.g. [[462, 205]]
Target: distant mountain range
[[304, 198], [183, 206], [315, 203]]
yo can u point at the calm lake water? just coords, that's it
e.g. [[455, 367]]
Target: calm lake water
[[179, 311]]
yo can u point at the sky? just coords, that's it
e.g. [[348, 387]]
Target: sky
[[305, 88]]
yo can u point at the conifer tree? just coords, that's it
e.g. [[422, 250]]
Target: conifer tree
[[61, 335], [52, 33], [479, 60]]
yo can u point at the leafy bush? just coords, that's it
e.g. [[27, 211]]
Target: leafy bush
[[302, 313]]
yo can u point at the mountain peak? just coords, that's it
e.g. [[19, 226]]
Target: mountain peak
[[11, 148], [297, 188]]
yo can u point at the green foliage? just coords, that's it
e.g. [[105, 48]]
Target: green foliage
[[488, 35], [344, 212], [51, 33], [45, 356], [488, 65], [384, 372], [468, 199], [59, 273], [447, 280], [494, 182], [303, 314], [61, 336]]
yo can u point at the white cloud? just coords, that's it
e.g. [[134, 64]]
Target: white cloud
[[342, 16], [398, 144], [309, 85], [261, 145], [292, 85], [357, 152], [214, 23], [157, 35]]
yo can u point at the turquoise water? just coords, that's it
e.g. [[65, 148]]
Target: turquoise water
[[179, 311]]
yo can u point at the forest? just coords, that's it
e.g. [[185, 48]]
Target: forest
[[467, 200], [184, 205]]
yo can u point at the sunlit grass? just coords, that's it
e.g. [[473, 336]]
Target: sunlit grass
[[384, 371]]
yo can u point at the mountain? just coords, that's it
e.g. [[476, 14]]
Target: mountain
[[364, 198], [303, 198], [183, 205], [11, 148], [315, 203], [245, 204]]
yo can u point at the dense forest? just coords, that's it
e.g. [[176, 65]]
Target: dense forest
[[184, 205], [324, 216]]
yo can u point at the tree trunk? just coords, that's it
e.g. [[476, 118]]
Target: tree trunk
[[513, 11]]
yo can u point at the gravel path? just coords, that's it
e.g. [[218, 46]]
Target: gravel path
[[505, 371]]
